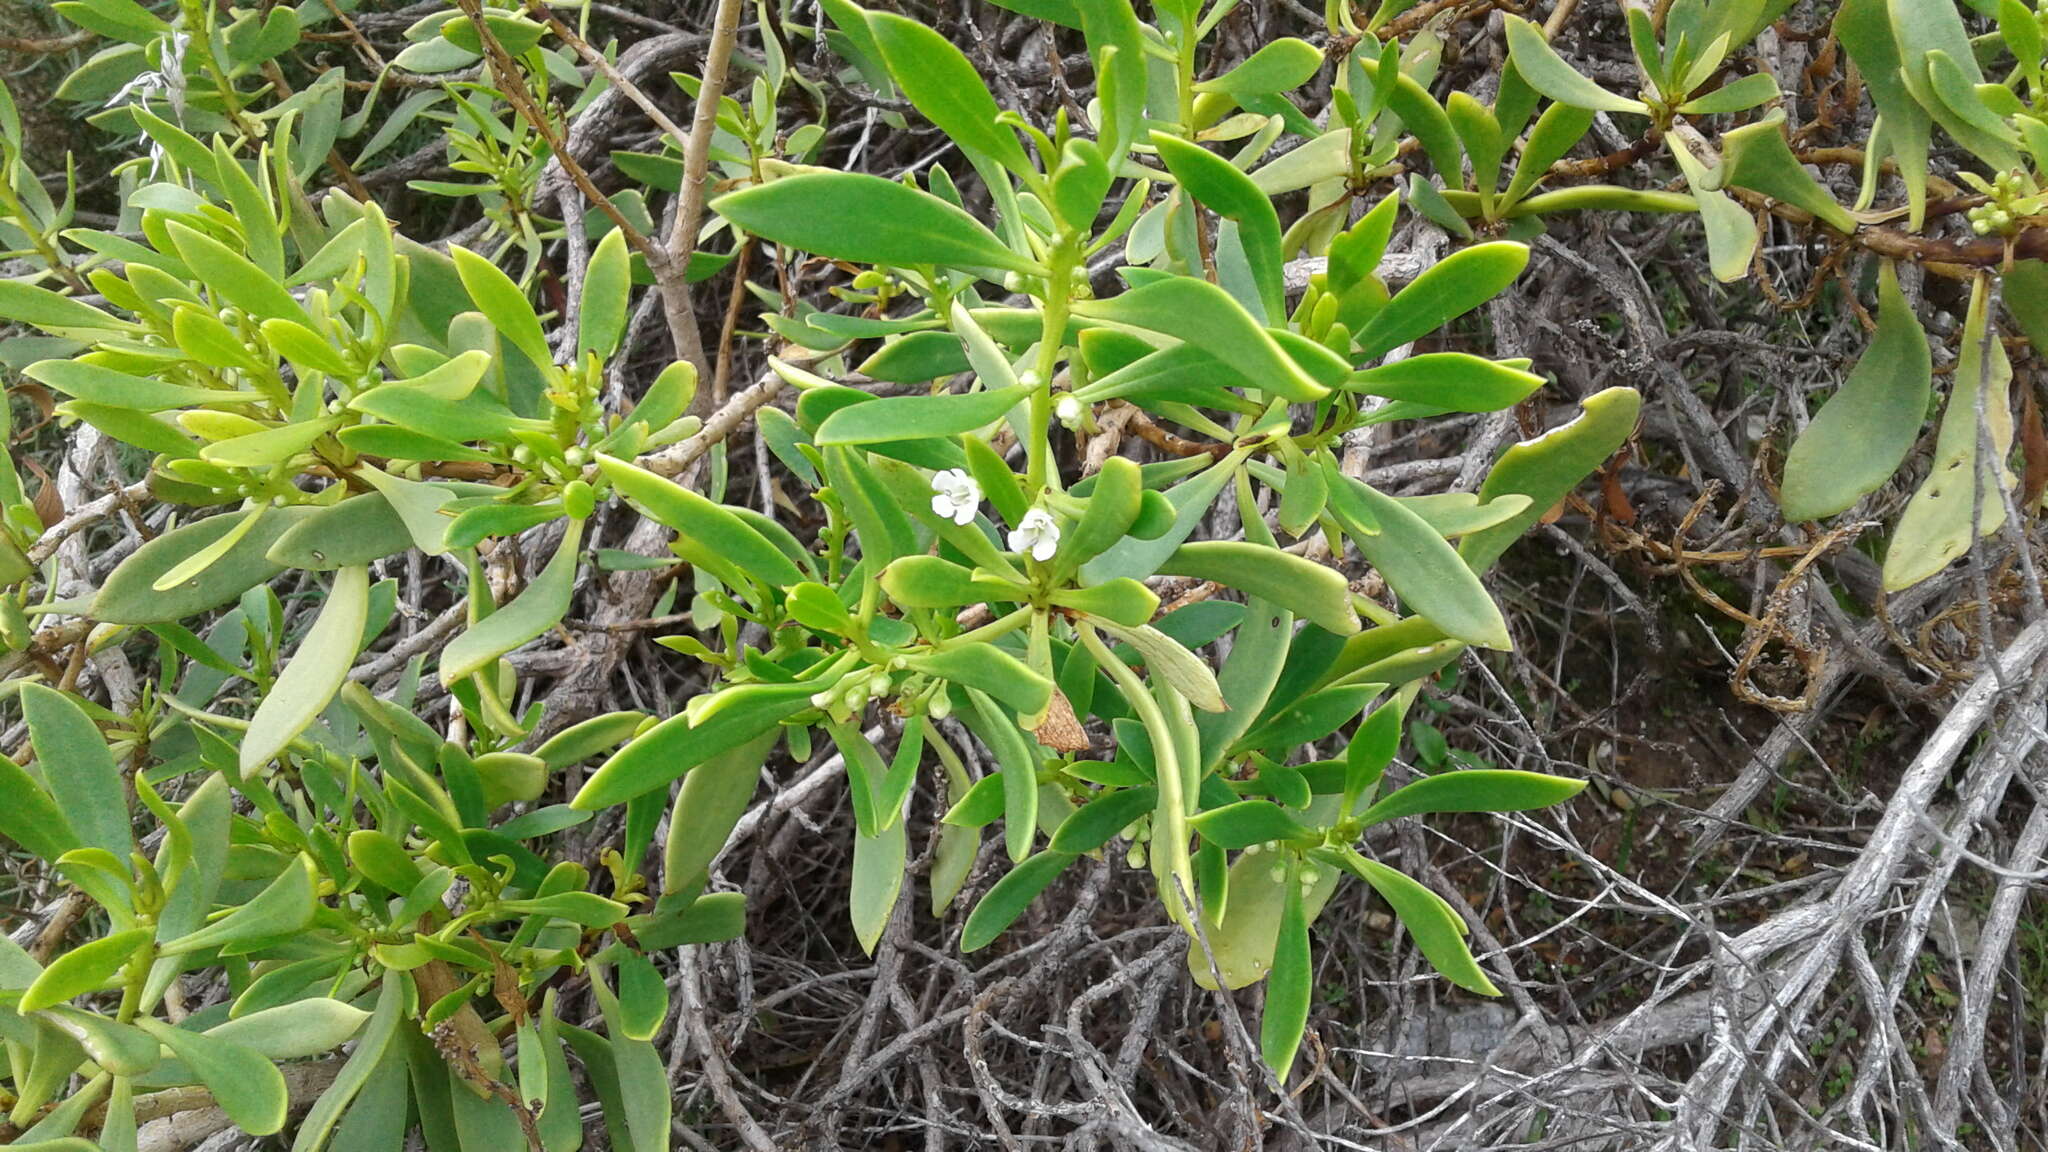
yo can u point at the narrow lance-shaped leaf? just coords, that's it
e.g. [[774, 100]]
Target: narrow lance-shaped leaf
[[29, 817], [1758, 157], [1473, 790], [1010, 896], [1291, 986], [1165, 657], [233, 277], [1548, 73], [1452, 287], [945, 86], [1864, 29], [284, 907], [710, 531], [1200, 313], [1018, 763], [1417, 563], [1219, 184], [315, 674], [1308, 589], [878, 862], [1100, 820], [296, 1030], [1247, 822], [607, 291], [676, 745], [60, 315], [502, 301], [537, 608], [355, 1073], [917, 417], [1437, 931], [899, 226], [710, 803]]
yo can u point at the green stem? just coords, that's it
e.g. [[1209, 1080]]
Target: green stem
[[1059, 285], [987, 632]]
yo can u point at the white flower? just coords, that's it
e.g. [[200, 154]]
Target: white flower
[[1036, 534], [1068, 410], [955, 496]]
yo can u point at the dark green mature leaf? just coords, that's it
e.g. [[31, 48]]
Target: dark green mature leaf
[[1861, 435], [1475, 790], [890, 418], [79, 769], [900, 226], [1010, 897], [945, 86], [1436, 928], [1018, 760], [1289, 988], [1247, 822], [1200, 313], [676, 746], [1422, 117], [1100, 820], [1417, 563], [708, 805]]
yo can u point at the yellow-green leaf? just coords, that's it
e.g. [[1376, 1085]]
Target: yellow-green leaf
[[315, 674]]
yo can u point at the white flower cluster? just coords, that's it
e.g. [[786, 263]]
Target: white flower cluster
[[957, 497]]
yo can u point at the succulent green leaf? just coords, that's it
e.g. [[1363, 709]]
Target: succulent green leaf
[[1861, 435], [900, 226], [315, 673]]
